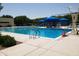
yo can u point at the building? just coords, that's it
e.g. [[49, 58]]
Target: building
[[6, 22]]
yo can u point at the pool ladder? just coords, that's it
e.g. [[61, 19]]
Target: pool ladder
[[35, 35]]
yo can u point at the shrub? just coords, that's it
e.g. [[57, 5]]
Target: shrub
[[0, 34], [0, 39], [8, 41]]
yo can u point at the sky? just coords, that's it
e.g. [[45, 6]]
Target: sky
[[37, 10]]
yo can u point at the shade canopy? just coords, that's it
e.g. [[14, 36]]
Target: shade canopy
[[51, 19], [41, 20], [63, 19]]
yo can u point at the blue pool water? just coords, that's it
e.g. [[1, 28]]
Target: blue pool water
[[43, 32]]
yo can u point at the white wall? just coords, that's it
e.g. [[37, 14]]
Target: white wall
[[10, 21]]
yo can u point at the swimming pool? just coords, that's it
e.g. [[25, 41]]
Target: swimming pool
[[42, 32]]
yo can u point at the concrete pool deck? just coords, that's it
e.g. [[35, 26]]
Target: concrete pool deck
[[65, 46]]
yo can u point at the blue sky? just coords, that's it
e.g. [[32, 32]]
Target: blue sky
[[36, 10]]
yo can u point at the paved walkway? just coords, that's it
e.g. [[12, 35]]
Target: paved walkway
[[67, 46]]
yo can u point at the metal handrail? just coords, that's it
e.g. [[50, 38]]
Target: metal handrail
[[36, 33]]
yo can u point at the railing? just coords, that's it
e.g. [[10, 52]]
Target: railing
[[34, 34]]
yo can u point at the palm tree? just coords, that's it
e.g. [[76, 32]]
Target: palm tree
[[1, 7]]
